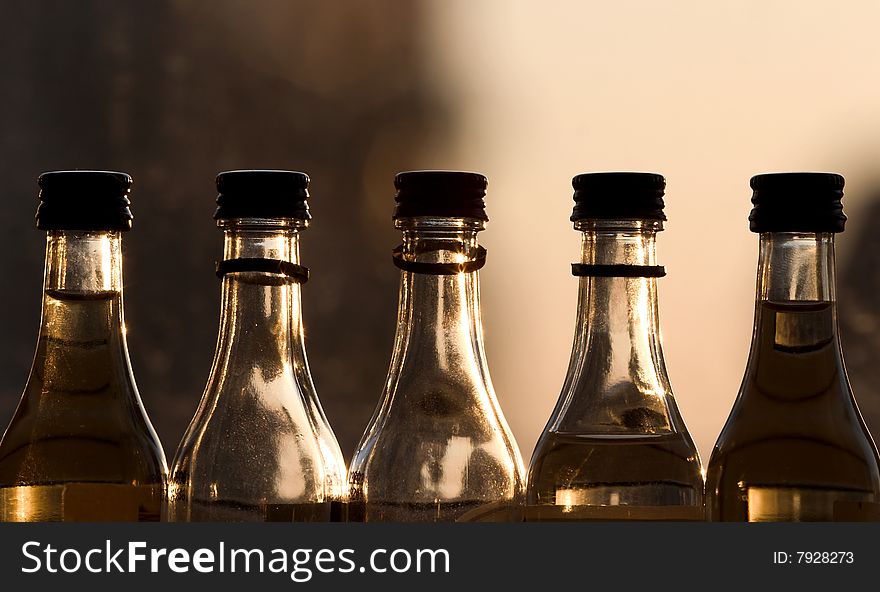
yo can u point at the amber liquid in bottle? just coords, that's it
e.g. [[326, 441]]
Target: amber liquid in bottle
[[79, 447], [812, 470], [650, 477], [795, 447]]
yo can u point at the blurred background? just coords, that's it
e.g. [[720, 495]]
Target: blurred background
[[529, 93]]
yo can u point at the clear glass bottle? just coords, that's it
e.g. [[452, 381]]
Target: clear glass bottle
[[80, 447], [616, 447], [438, 448], [259, 447], [795, 447]]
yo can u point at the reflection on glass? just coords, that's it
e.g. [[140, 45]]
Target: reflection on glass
[[259, 447], [616, 447], [438, 448]]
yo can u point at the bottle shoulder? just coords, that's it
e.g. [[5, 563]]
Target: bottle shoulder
[[240, 423], [616, 407], [824, 412], [414, 465], [811, 441], [90, 440]]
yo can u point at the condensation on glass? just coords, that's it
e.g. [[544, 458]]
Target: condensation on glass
[[438, 448], [616, 447], [259, 447]]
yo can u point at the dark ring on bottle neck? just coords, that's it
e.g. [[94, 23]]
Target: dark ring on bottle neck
[[296, 273], [438, 268], [626, 271]]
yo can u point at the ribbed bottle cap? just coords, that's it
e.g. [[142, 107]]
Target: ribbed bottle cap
[[454, 194], [84, 200], [618, 196], [797, 202], [262, 194]]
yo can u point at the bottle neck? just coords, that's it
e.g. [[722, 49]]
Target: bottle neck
[[795, 313], [796, 267], [83, 263], [82, 315], [261, 323], [617, 381], [83, 267], [619, 314], [439, 315]]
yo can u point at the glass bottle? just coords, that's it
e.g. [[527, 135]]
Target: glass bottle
[[616, 447], [80, 447], [259, 447], [795, 447], [438, 448]]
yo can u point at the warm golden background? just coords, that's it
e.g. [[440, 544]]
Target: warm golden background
[[528, 92]]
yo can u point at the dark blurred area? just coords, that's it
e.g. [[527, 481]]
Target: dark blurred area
[[173, 92], [859, 306]]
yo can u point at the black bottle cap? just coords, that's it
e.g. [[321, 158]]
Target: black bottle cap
[[454, 194], [84, 200], [797, 202], [618, 196], [262, 194]]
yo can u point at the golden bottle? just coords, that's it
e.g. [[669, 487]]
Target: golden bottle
[[80, 446]]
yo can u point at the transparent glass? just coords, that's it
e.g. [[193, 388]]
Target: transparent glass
[[259, 447], [437, 448], [616, 447], [80, 447], [795, 447]]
